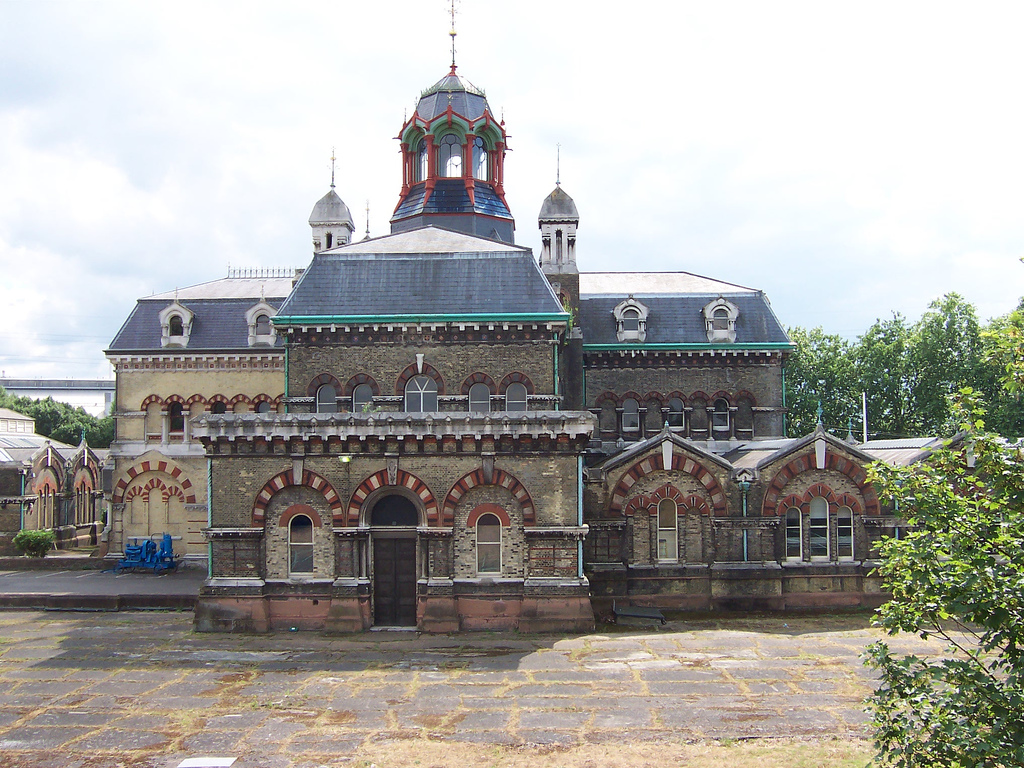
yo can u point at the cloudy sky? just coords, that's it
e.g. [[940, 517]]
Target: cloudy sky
[[850, 159]]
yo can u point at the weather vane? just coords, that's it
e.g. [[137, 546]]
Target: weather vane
[[332, 167], [558, 164], [453, 33]]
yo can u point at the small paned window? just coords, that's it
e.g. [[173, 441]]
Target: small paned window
[[720, 417], [479, 159], [819, 528], [263, 327], [488, 544], [175, 327], [631, 320], [515, 397], [720, 319], [326, 399], [675, 412], [176, 414], [300, 545], [421, 395], [219, 407], [668, 547], [794, 539], [421, 160], [449, 156], [630, 415], [264, 407], [362, 398], [844, 533], [479, 398]]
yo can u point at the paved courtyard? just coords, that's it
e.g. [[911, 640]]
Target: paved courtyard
[[141, 689]]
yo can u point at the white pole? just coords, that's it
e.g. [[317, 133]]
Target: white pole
[[864, 413]]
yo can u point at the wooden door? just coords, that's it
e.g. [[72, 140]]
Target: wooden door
[[394, 582]]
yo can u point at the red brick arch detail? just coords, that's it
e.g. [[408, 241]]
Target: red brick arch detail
[[402, 479], [261, 399], [174, 399], [175, 491], [805, 463], [820, 489], [240, 399], [514, 377], [722, 395], [410, 371], [216, 399], [655, 397], [649, 503], [161, 465], [607, 397], [195, 399], [488, 509], [479, 378], [498, 477], [286, 479], [851, 501], [745, 395], [299, 509], [653, 463], [319, 381], [355, 381], [635, 395], [150, 401]]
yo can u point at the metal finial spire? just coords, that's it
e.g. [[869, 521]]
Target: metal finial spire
[[453, 33], [367, 218], [558, 165], [332, 167]]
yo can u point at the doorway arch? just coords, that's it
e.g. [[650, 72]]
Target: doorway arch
[[393, 518]]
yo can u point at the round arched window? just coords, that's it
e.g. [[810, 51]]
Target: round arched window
[[675, 412], [421, 160], [263, 327], [421, 394], [631, 320], [264, 407], [326, 399], [176, 414], [449, 156], [721, 415], [176, 327], [479, 398], [488, 544], [515, 397], [630, 415], [479, 159], [362, 398], [219, 407], [300, 544]]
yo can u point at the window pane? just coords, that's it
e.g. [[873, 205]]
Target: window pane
[[488, 558], [819, 527], [721, 415], [301, 529], [844, 532], [302, 558], [488, 529], [449, 156], [667, 514], [675, 412], [263, 407], [479, 398], [792, 533], [176, 328], [667, 549], [479, 159], [421, 161], [630, 415], [362, 397], [515, 397], [177, 417], [263, 325], [421, 394], [326, 399], [631, 320], [720, 320]]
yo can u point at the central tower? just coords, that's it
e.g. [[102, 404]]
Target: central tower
[[453, 162]]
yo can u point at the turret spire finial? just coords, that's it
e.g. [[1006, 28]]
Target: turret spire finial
[[453, 33], [558, 165], [367, 218], [332, 167]]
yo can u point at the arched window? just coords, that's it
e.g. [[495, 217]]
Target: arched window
[[630, 415], [818, 529], [844, 533], [421, 394], [264, 407], [176, 414], [631, 320], [675, 412], [328, 240], [362, 398], [479, 398], [219, 407], [396, 510], [449, 156], [720, 319], [175, 327], [326, 399], [479, 159], [488, 544], [515, 397], [720, 418], [300, 545], [794, 537], [421, 160], [668, 544]]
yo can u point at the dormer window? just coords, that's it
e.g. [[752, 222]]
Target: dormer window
[[175, 325], [261, 329], [630, 320], [720, 320]]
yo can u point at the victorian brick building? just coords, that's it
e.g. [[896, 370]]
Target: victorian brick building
[[434, 428]]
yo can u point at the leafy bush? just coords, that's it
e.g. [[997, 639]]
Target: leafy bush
[[34, 543]]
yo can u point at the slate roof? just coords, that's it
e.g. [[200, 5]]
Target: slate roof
[[558, 206], [678, 318], [476, 277], [451, 196], [331, 209], [466, 99], [219, 315]]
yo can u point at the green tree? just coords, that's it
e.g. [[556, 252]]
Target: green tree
[[62, 422], [958, 575], [882, 358], [820, 369], [1002, 380]]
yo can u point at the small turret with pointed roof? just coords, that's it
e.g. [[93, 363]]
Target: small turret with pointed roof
[[558, 220], [331, 220]]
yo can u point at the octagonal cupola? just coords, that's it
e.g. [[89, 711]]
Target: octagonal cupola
[[453, 160], [557, 221], [331, 222]]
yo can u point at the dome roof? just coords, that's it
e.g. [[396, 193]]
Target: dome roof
[[331, 209], [558, 206], [466, 99]]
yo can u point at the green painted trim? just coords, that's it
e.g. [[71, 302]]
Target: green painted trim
[[667, 347], [511, 317]]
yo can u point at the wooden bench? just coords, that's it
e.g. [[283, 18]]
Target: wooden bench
[[637, 612]]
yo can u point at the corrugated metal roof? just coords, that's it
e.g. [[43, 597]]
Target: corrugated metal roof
[[679, 319]]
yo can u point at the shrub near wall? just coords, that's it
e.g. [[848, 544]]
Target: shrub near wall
[[34, 543]]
